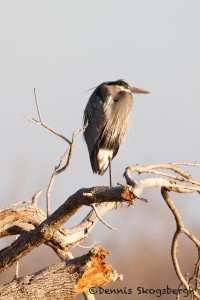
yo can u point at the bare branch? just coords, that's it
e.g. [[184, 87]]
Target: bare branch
[[87, 247], [100, 219], [48, 193], [88, 296], [14, 204], [37, 105], [58, 169], [32, 120], [74, 136], [50, 232], [17, 266], [169, 166], [36, 196], [16, 220], [26, 218], [179, 230], [47, 229], [40, 122], [160, 182], [185, 164], [195, 275], [61, 240]]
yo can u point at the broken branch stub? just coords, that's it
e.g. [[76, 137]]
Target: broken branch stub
[[63, 280]]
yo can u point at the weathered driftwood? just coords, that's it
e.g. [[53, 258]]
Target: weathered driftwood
[[63, 280], [49, 230], [34, 229]]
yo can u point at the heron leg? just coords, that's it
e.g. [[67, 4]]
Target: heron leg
[[110, 176], [110, 171]]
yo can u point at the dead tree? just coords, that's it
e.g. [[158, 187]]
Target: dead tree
[[72, 276]]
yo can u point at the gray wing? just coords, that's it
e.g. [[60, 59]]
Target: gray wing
[[94, 117]]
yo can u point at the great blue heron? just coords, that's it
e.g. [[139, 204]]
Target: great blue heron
[[106, 118]]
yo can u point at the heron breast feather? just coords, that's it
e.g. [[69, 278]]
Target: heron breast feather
[[103, 157]]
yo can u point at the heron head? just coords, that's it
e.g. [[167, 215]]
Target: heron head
[[126, 86]]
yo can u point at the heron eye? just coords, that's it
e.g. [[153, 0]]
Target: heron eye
[[119, 96]]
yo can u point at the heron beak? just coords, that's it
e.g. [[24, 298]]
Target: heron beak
[[135, 90]]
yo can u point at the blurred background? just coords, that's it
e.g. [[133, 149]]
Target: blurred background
[[63, 48]]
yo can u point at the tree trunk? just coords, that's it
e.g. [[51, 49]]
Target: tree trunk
[[63, 280]]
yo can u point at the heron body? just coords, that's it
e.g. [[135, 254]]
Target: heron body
[[106, 117]]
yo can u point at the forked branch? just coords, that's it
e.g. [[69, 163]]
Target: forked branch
[[50, 232], [180, 229], [58, 169], [172, 183], [42, 123], [46, 231]]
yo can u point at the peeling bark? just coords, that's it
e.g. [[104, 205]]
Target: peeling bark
[[63, 280]]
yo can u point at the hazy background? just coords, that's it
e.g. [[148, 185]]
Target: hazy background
[[63, 48]]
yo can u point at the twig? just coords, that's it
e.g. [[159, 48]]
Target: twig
[[88, 247], [36, 196], [178, 294], [195, 275], [48, 193], [17, 265], [100, 219], [71, 147], [61, 159], [37, 105], [169, 166], [51, 182], [40, 122], [88, 296], [185, 164], [58, 169], [186, 179]]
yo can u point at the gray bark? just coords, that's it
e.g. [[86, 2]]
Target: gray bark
[[63, 280]]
